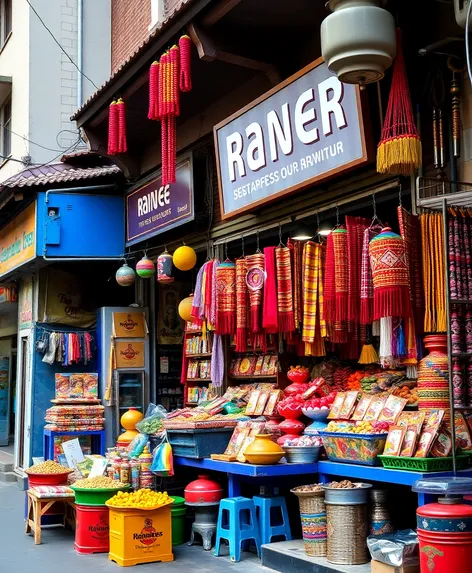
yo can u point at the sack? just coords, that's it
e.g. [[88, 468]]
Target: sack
[[137, 445], [163, 461], [151, 424]]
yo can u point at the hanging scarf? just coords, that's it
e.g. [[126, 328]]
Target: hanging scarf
[[341, 284], [356, 227], [217, 365], [226, 298], [209, 276], [241, 305], [367, 283], [284, 290], [330, 286], [297, 273], [197, 296], [255, 283], [270, 321], [314, 325], [467, 254], [211, 317]]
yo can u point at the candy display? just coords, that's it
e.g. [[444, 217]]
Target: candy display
[[304, 441], [141, 499], [354, 448]]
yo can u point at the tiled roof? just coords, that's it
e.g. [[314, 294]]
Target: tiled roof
[[161, 27], [58, 173]]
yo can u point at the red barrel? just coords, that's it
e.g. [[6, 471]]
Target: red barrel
[[445, 536], [92, 529]]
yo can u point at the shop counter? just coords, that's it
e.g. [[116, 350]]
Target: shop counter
[[237, 471], [328, 470]]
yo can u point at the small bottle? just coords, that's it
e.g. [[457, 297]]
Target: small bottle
[[117, 469], [145, 459], [125, 472], [111, 471], [135, 474]]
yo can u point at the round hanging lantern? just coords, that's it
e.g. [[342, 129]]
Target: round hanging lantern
[[125, 276], [164, 268], [145, 268], [358, 40], [185, 258], [185, 309]]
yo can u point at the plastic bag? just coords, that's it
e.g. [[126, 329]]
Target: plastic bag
[[137, 445], [152, 422], [396, 549], [163, 461]]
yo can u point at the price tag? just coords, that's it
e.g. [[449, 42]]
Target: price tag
[[164, 365]]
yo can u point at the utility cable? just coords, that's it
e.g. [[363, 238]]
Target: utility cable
[[60, 46]]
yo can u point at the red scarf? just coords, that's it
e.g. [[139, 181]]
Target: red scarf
[[226, 298], [329, 311], [270, 322], [341, 283], [255, 284], [241, 305], [284, 290]]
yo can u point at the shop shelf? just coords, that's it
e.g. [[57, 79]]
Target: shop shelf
[[424, 464], [199, 355]]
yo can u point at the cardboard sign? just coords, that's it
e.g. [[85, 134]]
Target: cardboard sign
[[129, 354], [128, 325]]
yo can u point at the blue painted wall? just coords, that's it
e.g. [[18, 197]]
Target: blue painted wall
[[43, 385], [85, 225]]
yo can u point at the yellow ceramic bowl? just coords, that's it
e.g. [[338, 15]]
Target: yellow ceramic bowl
[[264, 459]]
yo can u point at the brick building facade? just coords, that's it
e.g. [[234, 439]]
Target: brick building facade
[[130, 23]]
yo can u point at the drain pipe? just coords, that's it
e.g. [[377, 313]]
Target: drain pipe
[[80, 51], [74, 190]]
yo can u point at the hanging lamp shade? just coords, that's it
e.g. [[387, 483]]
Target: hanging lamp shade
[[185, 309], [164, 268], [125, 276], [185, 258], [145, 268], [390, 275]]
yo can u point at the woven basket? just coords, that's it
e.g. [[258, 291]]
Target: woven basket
[[313, 518], [347, 534]]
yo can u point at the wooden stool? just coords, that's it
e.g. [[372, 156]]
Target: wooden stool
[[37, 507]]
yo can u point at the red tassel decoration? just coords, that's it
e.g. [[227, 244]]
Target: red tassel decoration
[[122, 145], [185, 45], [174, 57], [172, 146], [161, 84], [113, 128], [164, 150], [153, 112]]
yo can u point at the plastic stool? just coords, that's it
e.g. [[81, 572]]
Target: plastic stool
[[237, 523], [271, 525]]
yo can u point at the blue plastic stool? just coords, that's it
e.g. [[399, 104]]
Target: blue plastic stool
[[237, 523], [272, 516]]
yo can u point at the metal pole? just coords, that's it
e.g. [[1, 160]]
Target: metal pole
[[449, 345], [80, 51]]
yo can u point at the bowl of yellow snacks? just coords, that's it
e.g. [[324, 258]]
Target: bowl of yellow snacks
[[97, 490], [47, 473], [141, 499]]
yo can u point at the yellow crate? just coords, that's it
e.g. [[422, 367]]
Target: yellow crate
[[140, 536]]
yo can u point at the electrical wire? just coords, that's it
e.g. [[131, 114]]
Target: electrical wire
[[467, 48], [26, 139], [60, 46]]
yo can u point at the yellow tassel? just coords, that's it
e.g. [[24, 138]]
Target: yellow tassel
[[368, 355], [399, 156]]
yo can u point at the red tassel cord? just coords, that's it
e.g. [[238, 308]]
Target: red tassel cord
[[164, 150], [122, 145], [185, 45], [160, 88], [113, 129], [153, 112], [172, 149], [174, 56]]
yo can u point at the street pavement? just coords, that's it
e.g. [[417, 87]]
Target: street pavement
[[19, 554]]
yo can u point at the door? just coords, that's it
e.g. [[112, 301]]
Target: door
[[23, 405]]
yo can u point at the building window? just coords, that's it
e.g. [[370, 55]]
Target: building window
[[5, 20], [5, 117], [157, 13]]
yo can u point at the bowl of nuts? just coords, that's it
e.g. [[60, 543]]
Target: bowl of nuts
[[347, 492], [47, 473], [96, 490]]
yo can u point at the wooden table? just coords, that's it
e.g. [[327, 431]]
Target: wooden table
[[37, 507], [237, 471]]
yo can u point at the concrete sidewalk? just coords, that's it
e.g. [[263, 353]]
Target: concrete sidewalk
[[19, 554]]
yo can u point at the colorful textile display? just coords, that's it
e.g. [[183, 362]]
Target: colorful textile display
[[367, 282], [341, 284], [399, 150], [297, 269], [241, 305], [284, 290], [432, 248], [226, 298], [255, 283], [270, 322], [314, 324], [330, 287]]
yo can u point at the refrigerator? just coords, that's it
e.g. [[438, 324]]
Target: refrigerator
[[123, 364]]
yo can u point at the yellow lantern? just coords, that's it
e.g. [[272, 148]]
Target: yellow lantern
[[185, 309], [184, 258]]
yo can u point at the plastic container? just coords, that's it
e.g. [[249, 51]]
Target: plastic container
[[48, 479], [91, 529], [178, 512], [424, 464], [354, 448], [95, 497], [316, 414], [344, 496], [302, 454], [139, 536], [199, 443]]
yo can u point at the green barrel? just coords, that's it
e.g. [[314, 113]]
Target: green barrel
[[178, 520]]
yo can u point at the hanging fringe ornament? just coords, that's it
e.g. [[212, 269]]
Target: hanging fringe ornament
[[386, 339], [122, 145], [172, 148], [174, 65], [185, 76], [153, 112], [112, 129], [368, 353], [399, 150]]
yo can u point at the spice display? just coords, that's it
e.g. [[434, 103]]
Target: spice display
[[344, 484], [141, 499], [48, 467], [98, 483], [308, 488]]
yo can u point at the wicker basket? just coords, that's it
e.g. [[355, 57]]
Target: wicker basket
[[347, 534], [313, 518]]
